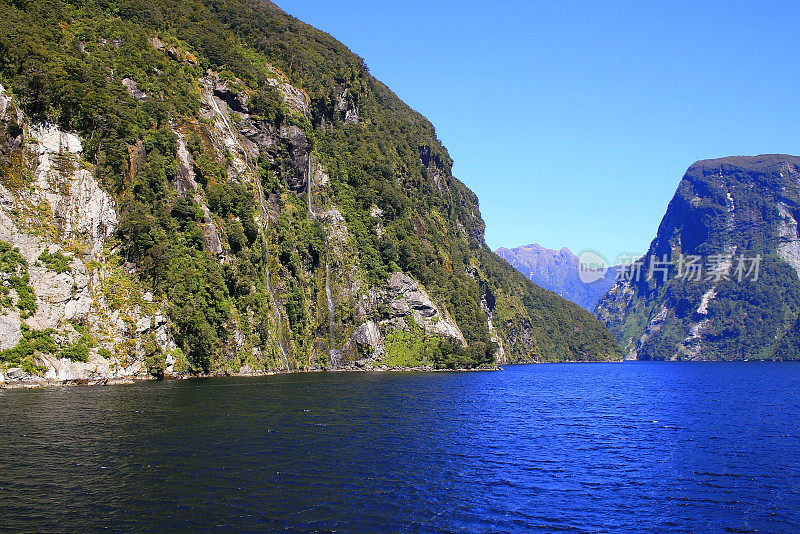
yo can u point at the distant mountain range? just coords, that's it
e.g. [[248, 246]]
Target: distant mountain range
[[559, 271]]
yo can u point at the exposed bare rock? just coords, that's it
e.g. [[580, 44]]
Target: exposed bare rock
[[10, 332], [211, 238], [81, 209], [403, 292], [368, 334], [319, 176], [254, 136], [500, 354], [789, 240], [299, 151], [262, 135], [61, 297], [63, 369], [52, 140], [173, 52], [346, 107], [63, 210], [86, 212], [234, 101], [114, 43], [399, 308], [134, 91], [293, 97], [226, 136], [335, 225], [185, 182], [156, 43], [5, 101]]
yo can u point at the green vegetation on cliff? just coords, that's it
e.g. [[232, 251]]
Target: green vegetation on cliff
[[14, 274], [128, 76], [742, 208]]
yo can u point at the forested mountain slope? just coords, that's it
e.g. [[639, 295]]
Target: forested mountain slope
[[726, 259], [262, 202]]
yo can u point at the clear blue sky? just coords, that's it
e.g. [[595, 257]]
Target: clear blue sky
[[574, 121]]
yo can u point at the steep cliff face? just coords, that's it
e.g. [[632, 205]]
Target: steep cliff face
[[72, 311], [725, 282], [559, 271], [240, 179]]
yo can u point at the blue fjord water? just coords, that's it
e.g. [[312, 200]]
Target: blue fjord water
[[635, 447]]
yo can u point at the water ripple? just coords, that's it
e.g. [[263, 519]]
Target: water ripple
[[552, 448]]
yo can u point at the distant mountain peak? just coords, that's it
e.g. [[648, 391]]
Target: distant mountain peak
[[557, 271]]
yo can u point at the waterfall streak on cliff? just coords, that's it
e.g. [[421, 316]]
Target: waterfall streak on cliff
[[265, 225], [331, 307], [308, 181]]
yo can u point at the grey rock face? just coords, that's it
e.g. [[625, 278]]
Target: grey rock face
[[75, 218], [15, 373], [234, 101], [346, 107], [368, 334], [211, 238], [185, 182], [789, 237], [261, 136], [406, 297], [399, 308], [293, 97], [299, 150], [134, 91], [61, 297], [10, 331], [81, 209], [402, 302]]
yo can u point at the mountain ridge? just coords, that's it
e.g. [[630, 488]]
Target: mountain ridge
[[735, 218], [559, 271], [275, 207]]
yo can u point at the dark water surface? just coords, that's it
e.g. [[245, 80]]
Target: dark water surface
[[638, 447]]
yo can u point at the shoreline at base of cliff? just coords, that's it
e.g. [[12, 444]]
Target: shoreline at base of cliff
[[32, 382]]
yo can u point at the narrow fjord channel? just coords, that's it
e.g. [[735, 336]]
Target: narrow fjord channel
[[563, 447]]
